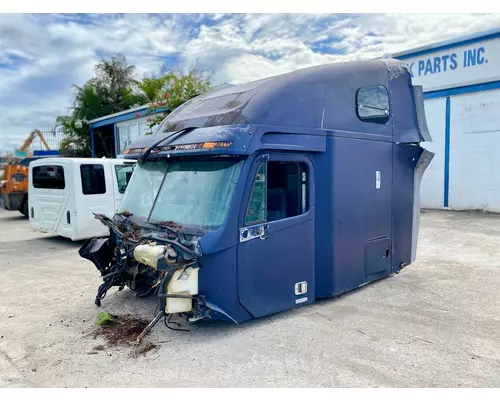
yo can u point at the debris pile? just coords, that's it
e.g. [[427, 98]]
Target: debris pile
[[122, 330]]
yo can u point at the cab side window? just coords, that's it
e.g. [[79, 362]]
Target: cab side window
[[49, 177], [279, 192], [93, 181], [256, 212], [372, 103]]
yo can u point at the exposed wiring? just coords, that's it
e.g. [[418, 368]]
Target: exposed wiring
[[150, 290], [172, 322]]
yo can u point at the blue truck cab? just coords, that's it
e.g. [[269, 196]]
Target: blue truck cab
[[266, 196]]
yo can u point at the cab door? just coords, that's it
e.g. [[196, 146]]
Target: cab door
[[49, 197], [121, 174], [94, 195], [276, 236]]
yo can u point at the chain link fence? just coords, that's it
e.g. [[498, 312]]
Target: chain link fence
[[53, 137]]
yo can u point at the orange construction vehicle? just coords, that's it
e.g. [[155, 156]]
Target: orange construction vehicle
[[14, 186]]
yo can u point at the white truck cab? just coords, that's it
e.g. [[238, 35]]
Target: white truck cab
[[64, 194]]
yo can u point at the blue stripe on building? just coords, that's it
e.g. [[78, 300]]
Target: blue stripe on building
[[92, 141], [480, 87], [447, 153], [458, 90]]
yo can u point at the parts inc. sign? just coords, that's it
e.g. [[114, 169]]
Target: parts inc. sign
[[460, 66]]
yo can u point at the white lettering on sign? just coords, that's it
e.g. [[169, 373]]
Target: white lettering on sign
[[460, 66]]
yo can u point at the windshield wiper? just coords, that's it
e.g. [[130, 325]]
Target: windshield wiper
[[145, 155]]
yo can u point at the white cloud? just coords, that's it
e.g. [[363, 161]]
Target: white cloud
[[255, 46], [42, 56]]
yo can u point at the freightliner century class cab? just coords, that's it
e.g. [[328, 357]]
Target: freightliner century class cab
[[266, 196]]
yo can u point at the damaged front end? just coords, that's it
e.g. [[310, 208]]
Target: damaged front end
[[149, 259]]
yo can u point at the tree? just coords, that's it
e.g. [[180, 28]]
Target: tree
[[152, 87], [175, 89], [113, 89]]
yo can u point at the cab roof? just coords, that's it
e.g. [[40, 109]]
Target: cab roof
[[76, 161], [310, 101], [295, 99]]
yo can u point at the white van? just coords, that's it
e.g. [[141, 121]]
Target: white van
[[64, 194]]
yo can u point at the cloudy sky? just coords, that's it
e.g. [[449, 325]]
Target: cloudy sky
[[43, 55]]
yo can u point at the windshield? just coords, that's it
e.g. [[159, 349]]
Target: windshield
[[193, 193]]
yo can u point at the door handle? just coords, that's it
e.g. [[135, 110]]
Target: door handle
[[263, 231], [251, 233]]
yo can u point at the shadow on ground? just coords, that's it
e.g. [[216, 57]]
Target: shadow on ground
[[122, 301], [58, 241], [16, 216]]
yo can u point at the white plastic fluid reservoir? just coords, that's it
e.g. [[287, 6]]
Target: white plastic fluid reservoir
[[149, 254], [185, 282]]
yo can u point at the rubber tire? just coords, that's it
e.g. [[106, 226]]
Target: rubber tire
[[25, 209]]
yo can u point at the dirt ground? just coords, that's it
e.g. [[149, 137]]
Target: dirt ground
[[437, 323]]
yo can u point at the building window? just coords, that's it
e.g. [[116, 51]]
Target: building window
[[143, 127], [373, 104], [279, 191], [93, 181], [133, 133], [123, 175], [129, 132], [49, 177], [122, 139]]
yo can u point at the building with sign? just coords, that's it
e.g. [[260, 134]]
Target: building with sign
[[461, 83], [111, 134]]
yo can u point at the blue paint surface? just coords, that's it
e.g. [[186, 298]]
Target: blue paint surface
[[115, 135], [355, 230], [92, 142], [124, 117], [447, 153], [481, 87], [45, 153]]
